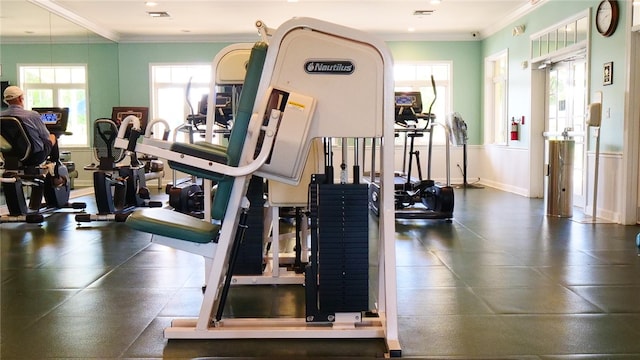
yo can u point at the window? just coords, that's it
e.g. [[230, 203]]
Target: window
[[417, 77], [61, 86], [169, 83], [560, 37], [497, 76]]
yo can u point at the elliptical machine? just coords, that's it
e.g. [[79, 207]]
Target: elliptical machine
[[187, 195], [416, 198], [118, 189], [50, 181]]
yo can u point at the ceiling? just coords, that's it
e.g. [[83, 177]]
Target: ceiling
[[233, 20]]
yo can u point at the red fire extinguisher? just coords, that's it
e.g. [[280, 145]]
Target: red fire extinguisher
[[514, 129]]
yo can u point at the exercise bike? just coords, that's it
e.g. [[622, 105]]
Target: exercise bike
[[118, 188], [49, 182], [416, 198]]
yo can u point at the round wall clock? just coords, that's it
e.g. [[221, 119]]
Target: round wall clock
[[607, 17]]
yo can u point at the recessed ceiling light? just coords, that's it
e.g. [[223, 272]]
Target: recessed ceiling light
[[435, 2], [292, 0], [151, 3], [157, 14]]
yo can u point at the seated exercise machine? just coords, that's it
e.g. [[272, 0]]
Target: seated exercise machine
[[118, 188], [416, 198], [313, 80], [50, 181], [153, 167]]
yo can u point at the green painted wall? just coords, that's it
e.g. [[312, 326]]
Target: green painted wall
[[466, 57], [119, 73], [102, 60], [603, 50], [134, 60]]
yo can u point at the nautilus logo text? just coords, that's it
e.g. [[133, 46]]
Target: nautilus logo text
[[342, 67]]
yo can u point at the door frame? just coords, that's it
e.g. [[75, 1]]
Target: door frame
[[540, 114], [631, 149]]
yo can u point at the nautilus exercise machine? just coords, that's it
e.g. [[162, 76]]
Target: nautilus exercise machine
[[416, 198], [50, 183], [315, 80]]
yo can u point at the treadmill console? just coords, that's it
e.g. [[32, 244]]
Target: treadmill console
[[407, 100], [56, 119], [223, 110], [408, 106]]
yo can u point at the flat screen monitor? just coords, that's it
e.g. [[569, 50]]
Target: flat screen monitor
[[119, 113], [54, 118]]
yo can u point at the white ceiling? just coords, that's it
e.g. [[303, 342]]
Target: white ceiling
[[233, 20]]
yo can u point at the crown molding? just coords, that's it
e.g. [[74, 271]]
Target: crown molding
[[522, 11], [76, 19]]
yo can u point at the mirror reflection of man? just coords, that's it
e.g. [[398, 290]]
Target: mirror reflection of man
[[42, 142]]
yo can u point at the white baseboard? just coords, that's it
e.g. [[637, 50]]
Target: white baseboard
[[506, 187]]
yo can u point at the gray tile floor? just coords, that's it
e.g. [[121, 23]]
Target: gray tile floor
[[503, 281]]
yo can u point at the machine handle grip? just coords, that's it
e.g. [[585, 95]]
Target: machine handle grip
[[135, 133], [133, 139]]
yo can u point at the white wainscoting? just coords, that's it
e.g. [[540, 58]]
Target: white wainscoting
[[501, 167], [506, 168], [611, 196]]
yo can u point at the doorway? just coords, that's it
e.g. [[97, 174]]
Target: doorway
[[566, 98]]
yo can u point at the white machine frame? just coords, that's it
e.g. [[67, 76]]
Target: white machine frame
[[313, 117]]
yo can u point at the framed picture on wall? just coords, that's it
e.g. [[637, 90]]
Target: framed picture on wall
[[607, 74]]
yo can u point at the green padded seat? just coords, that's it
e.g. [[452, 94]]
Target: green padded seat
[[185, 227], [173, 224]]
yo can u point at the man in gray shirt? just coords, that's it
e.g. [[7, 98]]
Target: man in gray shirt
[[42, 141]]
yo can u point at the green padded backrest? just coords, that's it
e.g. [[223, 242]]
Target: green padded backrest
[[245, 104], [240, 126]]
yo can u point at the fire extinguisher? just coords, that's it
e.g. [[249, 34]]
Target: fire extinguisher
[[514, 129]]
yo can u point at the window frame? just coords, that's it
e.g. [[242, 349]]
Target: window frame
[[496, 130], [155, 86], [415, 85], [55, 87]]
